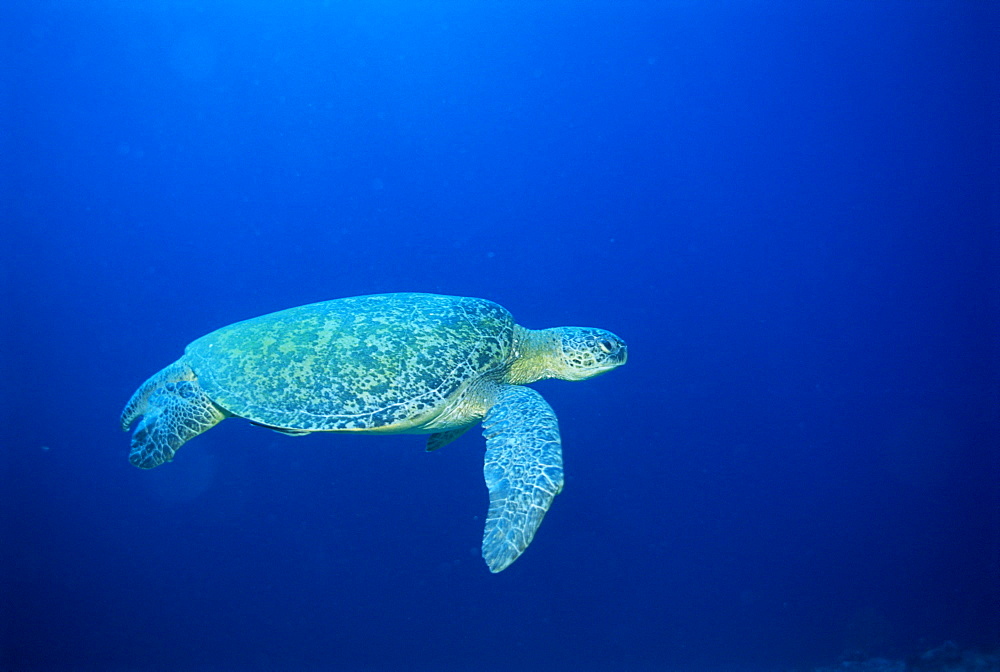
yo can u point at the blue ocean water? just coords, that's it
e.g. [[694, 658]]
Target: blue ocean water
[[788, 210]]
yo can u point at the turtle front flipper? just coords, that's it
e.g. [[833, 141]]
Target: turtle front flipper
[[523, 471], [174, 410]]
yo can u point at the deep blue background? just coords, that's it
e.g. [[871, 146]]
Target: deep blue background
[[788, 210]]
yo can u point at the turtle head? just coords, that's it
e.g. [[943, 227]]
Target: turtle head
[[585, 352], [568, 353]]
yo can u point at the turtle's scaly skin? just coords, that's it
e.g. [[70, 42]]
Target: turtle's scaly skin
[[347, 364]]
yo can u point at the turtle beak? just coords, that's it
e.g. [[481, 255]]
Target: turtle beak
[[619, 356], [614, 360]]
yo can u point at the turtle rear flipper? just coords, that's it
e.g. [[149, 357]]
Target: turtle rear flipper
[[523, 471], [281, 430], [174, 410], [439, 440]]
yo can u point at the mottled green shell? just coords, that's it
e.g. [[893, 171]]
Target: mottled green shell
[[386, 362]]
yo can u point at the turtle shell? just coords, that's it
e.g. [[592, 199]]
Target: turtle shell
[[385, 362]]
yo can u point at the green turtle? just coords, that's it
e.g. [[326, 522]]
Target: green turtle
[[394, 364]]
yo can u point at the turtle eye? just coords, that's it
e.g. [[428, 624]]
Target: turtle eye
[[607, 346]]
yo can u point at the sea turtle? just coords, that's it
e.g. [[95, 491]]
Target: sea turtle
[[393, 364]]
